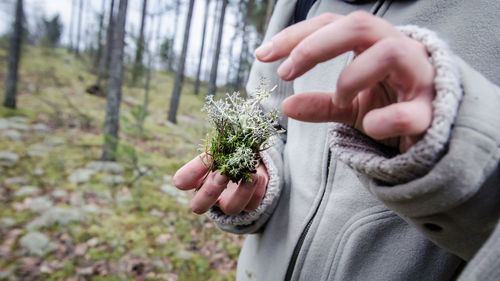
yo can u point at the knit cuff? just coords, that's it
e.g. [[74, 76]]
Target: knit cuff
[[385, 164], [246, 218]]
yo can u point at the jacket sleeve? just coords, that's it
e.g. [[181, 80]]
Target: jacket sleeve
[[448, 184]]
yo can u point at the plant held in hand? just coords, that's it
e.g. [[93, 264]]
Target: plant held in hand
[[240, 131]]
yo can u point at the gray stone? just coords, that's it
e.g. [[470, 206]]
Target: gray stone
[[56, 215], [40, 128], [167, 179], [105, 166], [26, 190], [16, 181], [142, 170], [104, 195], [124, 198], [38, 172], [8, 159], [179, 195], [76, 199], [94, 209], [36, 243], [18, 126], [4, 124], [59, 194], [18, 119], [112, 180], [13, 135], [81, 176], [156, 213], [8, 222], [40, 204], [39, 150], [55, 141]]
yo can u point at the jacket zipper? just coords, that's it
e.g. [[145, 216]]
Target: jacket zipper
[[302, 238]]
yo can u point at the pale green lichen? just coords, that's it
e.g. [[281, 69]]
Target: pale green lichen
[[240, 131]]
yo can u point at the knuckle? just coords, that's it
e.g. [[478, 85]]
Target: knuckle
[[402, 121], [209, 192], [395, 49], [327, 18], [303, 52], [361, 21], [344, 82]]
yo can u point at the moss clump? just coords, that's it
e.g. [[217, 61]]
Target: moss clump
[[240, 131]]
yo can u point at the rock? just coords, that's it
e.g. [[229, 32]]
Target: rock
[[106, 166], [16, 181], [156, 213], [8, 222], [104, 195], [124, 198], [59, 194], [76, 199], [26, 190], [18, 119], [81, 176], [167, 178], [94, 209], [55, 141], [4, 124], [143, 170], [40, 204], [8, 159], [41, 128], [56, 215], [38, 172], [36, 243], [180, 196], [39, 150], [13, 135], [112, 180], [18, 126]]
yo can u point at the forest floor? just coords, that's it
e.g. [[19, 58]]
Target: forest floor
[[66, 216]]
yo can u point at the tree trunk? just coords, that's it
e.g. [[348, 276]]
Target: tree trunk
[[106, 56], [215, 61], [197, 83], [244, 46], [138, 67], [111, 126], [213, 37], [14, 56], [99, 36], [179, 77], [77, 47], [71, 24], [171, 56]]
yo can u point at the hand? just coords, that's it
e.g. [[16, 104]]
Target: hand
[[232, 198], [385, 92]]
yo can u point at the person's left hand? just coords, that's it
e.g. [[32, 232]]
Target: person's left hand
[[385, 92]]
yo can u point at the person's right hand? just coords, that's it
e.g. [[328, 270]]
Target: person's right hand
[[217, 190]]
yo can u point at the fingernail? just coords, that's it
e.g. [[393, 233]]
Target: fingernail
[[285, 69], [264, 51], [220, 179]]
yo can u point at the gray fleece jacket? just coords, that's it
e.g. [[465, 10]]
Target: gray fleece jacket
[[339, 206]]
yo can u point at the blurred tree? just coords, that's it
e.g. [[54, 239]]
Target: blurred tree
[[106, 56], [198, 72], [269, 12], [179, 76], [244, 46], [165, 51], [71, 24], [53, 30], [138, 67], [111, 126], [176, 25], [215, 61], [79, 29], [100, 45], [14, 56]]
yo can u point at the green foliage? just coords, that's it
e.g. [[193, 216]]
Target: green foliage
[[241, 131], [53, 29]]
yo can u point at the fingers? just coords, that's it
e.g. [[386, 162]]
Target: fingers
[[209, 192], [190, 175], [355, 32], [317, 107], [283, 43], [398, 119], [260, 189], [401, 61]]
